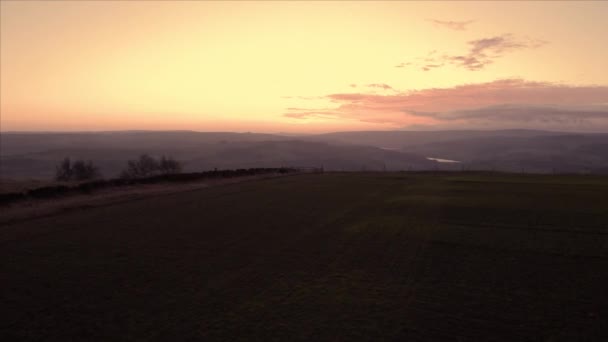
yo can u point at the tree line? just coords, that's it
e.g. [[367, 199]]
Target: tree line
[[144, 166], [90, 186]]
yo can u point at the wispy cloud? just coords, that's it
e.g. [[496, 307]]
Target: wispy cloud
[[403, 65], [380, 85], [512, 102], [302, 113], [481, 53], [522, 114], [428, 67], [452, 25]]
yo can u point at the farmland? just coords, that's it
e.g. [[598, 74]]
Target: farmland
[[335, 256]]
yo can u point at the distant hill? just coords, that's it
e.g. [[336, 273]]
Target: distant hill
[[507, 150], [403, 139], [34, 155], [23, 143], [305, 153]]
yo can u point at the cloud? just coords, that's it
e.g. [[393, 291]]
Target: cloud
[[428, 67], [309, 114], [564, 118], [403, 64], [452, 25], [380, 85], [481, 53], [523, 114], [510, 103]]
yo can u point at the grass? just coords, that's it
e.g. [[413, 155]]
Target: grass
[[21, 185], [365, 256]]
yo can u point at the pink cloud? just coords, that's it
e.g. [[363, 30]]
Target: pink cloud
[[481, 53], [403, 64], [484, 51], [516, 100], [380, 85]]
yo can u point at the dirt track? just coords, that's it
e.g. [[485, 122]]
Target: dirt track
[[35, 208]]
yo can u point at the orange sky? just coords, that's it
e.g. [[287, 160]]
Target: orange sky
[[302, 66]]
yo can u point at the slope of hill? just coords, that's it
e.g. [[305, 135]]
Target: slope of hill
[[24, 143], [29, 155], [506, 150], [404, 139], [544, 153], [36, 155], [352, 256]]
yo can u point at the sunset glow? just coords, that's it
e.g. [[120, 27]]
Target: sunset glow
[[302, 66]]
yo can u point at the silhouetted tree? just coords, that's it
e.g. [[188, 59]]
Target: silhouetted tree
[[169, 165], [63, 171], [82, 170], [78, 170], [143, 167]]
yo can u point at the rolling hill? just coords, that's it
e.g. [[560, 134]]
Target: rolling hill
[[34, 155]]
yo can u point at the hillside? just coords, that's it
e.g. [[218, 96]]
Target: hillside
[[338, 256], [505, 150], [403, 139], [34, 155]]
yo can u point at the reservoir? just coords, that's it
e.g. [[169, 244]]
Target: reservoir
[[443, 160]]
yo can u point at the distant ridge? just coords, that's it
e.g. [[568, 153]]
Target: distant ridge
[[34, 154]]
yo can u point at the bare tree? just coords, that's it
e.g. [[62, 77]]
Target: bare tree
[[169, 165], [63, 171], [78, 170], [143, 167], [82, 170]]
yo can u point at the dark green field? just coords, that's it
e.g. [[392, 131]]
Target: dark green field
[[378, 256]]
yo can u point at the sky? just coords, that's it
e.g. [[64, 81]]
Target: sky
[[303, 67]]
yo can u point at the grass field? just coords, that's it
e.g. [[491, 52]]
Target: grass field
[[341, 257]]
